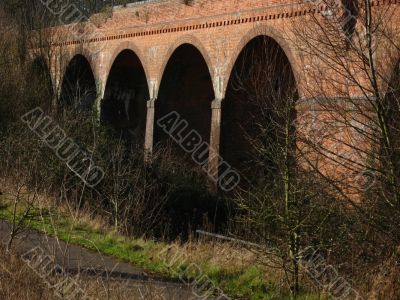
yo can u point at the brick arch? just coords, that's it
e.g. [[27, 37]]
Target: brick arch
[[47, 63], [127, 45], [64, 68], [248, 37], [390, 73], [39, 56], [89, 58], [190, 40], [82, 52], [392, 69]]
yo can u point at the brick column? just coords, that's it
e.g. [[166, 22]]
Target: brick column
[[213, 161], [149, 137], [100, 91], [55, 80], [101, 76]]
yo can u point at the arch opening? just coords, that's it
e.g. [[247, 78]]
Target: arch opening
[[259, 101], [41, 86], [392, 107], [186, 88], [78, 89], [393, 92], [123, 107]]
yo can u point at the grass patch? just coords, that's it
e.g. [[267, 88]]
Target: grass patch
[[245, 282]]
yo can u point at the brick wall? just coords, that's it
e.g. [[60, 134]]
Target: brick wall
[[219, 29]]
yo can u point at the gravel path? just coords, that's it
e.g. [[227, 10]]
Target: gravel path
[[75, 259]]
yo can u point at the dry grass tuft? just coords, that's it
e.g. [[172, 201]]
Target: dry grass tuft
[[18, 281], [386, 282], [228, 256]]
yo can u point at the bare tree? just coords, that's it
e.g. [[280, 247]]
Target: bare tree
[[277, 199], [360, 91], [136, 196], [351, 58], [24, 196]]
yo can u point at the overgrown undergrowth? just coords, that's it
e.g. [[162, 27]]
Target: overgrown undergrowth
[[230, 267]]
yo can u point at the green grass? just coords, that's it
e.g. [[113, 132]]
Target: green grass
[[249, 283]]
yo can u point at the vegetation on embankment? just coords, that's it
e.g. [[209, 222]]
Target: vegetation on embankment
[[230, 267], [291, 202]]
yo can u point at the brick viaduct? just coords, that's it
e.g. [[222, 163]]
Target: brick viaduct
[[180, 54]]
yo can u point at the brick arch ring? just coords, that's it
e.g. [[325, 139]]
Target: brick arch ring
[[128, 45], [390, 73], [248, 37], [190, 40], [71, 56], [38, 57]]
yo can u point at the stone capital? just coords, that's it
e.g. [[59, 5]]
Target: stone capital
[[151, 103], [216, 104]]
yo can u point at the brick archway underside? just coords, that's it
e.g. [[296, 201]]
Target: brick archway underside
[[186, 87], [392, 113], [78, 87], [260, 83], [123, 107], [41, 84]]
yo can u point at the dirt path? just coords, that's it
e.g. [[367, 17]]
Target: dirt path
[[75, 259]]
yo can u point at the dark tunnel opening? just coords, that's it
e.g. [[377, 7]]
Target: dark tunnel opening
[[392, 116], [261, 84], [78, 91], [124, 105], [187, 89]]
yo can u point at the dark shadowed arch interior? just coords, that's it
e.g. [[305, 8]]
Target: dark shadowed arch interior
[[393, 93], [393, 116], [41, 87], [125, 97], [261, 85], [349, 17], [78, 90], [186, 87], [186, 92]]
